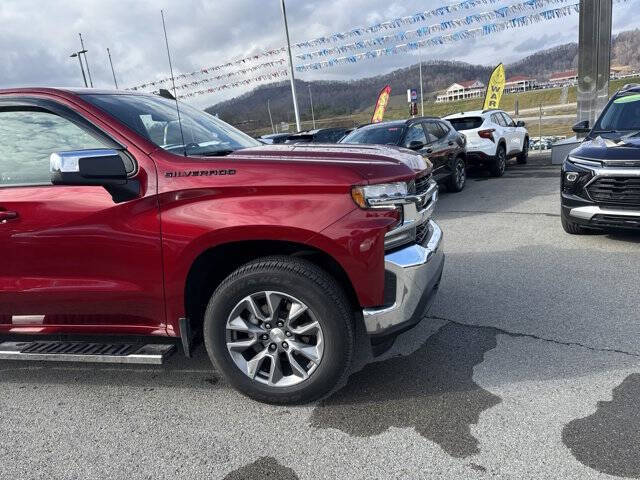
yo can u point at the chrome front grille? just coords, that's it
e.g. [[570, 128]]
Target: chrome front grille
[[417, 209]]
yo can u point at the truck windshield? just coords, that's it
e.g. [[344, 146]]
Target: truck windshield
[[622, 115], [155, 118], [381, 135]]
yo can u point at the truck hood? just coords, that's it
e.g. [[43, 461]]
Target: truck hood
[[366, 159], [618, 151]]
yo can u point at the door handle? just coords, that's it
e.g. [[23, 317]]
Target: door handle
[[5, 216], [450, 143], [429, 150]]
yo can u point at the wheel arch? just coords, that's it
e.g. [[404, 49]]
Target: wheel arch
[[214, 264]]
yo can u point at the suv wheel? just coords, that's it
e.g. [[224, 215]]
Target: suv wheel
[[524, 155], [499, 163], [280, 330], [572, 227], [458, 178]]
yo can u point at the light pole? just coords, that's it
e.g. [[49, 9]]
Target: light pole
[[313, 117], [112, 70], [78, 54], [273, 130], [84, 52], [421, 97], [293, 81]]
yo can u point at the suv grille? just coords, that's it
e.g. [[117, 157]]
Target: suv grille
[[616, 190]]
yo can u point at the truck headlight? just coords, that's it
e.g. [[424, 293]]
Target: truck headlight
[[382, 195]]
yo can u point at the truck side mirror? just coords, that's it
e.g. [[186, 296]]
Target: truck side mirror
[[581, 127], [101, 167]]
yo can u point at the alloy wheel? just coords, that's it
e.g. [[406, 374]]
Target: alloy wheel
[[274, 339]]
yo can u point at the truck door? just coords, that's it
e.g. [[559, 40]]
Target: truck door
[[73, 258]]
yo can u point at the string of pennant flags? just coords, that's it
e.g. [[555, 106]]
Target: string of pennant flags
[[235, 73], [502, 12], [487, 29], [483, 31], [396, 23], [235, 63], [261, 78]]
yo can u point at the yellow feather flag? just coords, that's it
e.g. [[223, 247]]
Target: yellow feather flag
[[495, 88]]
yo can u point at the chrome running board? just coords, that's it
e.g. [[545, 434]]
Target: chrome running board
[[48, 351]]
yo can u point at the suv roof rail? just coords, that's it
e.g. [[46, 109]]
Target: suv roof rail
[[490, 110]]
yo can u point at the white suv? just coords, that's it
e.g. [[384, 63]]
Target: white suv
[[492, 138]]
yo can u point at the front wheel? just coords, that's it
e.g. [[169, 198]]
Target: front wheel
[[458, 178], [572, 228], [280, 330]]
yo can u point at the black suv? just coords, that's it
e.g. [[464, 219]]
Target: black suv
[[432, 137], [601, 178]]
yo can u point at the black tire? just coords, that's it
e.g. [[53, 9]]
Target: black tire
[[524, 155], [458, 178], [499, 164], [572, 227], [313, 286]]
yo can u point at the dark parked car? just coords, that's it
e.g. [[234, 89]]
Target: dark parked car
[[601, 178], [274, 138], [321, 135], [433, 138]]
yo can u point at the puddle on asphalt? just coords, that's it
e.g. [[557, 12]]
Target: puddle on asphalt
[[431, 390], [609, 440], [263, 468]]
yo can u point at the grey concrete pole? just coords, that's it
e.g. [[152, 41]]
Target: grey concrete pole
[[291, 75], [594, 58]]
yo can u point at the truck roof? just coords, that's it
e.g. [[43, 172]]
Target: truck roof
[[72, 90]]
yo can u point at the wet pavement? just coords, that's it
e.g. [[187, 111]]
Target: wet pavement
[[527, 366]]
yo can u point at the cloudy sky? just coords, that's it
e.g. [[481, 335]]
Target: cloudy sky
[[37, 36]]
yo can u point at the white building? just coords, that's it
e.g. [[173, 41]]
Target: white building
[[462, 91], [519, 84], [560, 79]]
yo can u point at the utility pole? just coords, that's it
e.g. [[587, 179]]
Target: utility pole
[[84, 52], [421, 96], [313, 117], [291, 75], [112, 70], [79, 55], [273, 130]]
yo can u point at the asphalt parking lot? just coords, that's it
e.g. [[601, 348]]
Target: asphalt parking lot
[[527, 366]]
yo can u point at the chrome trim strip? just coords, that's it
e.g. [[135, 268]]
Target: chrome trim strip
[[587, 213]]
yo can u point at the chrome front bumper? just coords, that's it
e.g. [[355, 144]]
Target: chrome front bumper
[[417, 270]]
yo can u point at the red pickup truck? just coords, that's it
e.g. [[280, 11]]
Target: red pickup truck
[[121, 219]]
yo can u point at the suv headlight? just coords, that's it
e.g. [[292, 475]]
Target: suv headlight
[[379, 196], [576, 174]]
